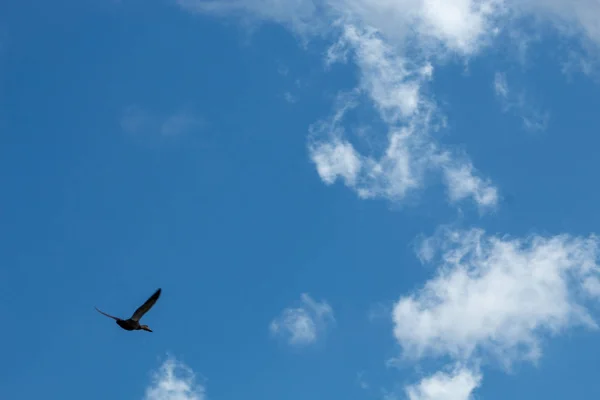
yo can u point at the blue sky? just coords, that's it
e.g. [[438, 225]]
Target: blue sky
[[340, 199]]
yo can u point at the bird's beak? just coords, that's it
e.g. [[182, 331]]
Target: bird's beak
[[147, 329]]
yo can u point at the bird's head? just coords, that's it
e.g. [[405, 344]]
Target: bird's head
[[145, 327]]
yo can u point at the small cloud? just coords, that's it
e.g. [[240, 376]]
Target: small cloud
[[458, 384], [174, 381], [533, 118], [500, 85], [335, 159], [362, 383], [290, 98], [180, 123], [462, 182], [139, 121], [301, 325], [426, 249], [282, 69], [537, 121]]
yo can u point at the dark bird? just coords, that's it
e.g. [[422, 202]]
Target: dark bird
[[133, 323]]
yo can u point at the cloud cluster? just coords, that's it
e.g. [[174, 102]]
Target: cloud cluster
[[391, 82], [496, 298], [393, 44], [493, 298], [301, 325], [393, 85]]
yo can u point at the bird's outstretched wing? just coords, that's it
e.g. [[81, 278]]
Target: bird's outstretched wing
[[143, 309], [109, 316]]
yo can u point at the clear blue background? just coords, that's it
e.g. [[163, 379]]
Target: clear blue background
[[231, 219]]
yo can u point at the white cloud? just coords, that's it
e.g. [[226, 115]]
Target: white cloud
[[532, 117], [497, 296], [139, 121], [393, 85], [492, 296], [458, 384], [336, 158], [302, 325], [174, 381], [463, 182], [460, 26]]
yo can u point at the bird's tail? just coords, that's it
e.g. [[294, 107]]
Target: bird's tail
[[109, 316]]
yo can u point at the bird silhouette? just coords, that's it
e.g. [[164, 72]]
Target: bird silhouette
[[133, 323]]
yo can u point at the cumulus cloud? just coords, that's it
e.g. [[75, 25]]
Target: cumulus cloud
[[301, 325], [174, 381], [532, 117], [458, 384], [498, 296]]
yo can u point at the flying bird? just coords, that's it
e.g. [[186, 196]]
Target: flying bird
[[133, 323]]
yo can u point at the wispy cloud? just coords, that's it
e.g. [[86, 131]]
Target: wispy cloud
[[301, 325], [532, 117], [459, 26], [290, 98], [395, 64], [393, 84], [500, 85], [174, 381], [179, 123], [136, 120], [362, 382]]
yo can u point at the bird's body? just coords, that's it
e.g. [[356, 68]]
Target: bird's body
[[129, 324], [133, 323]]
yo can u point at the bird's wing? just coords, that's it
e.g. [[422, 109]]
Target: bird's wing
[[143, 309], [109, 316]]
